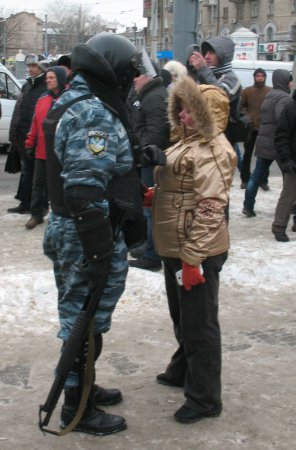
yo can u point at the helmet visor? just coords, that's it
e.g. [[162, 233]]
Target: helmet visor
[[146, 67]]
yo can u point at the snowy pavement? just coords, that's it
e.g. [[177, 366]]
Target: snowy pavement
[[27, 289], [257, 310]]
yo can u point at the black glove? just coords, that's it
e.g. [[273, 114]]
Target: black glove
[[151, 155], [288, 166], [96, 237], [94, 231], [30, 153]]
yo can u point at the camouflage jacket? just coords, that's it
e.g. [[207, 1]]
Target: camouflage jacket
[[90, 142]]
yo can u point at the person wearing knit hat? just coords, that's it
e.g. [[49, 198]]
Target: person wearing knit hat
[[65, 62], [251, 101], [176, 68], [31, 91], [55, 86], [35, 144]]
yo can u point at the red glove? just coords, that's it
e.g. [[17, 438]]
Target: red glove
[[191, 276], [148, 197]]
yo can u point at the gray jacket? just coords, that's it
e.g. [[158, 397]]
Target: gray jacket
[[271, 109], [222, 76]]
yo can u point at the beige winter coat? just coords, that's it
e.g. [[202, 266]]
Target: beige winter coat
[[192, 190]]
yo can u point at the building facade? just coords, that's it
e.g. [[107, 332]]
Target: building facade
[[22, 30], [274, 21]]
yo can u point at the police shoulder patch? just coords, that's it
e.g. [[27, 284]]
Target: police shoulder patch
[[97, 142]]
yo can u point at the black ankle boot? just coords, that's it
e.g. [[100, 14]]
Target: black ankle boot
[[106, 397], [281, 236], [94, 421]]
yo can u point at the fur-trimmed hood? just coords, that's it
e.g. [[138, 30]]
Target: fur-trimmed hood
[[209, 106]]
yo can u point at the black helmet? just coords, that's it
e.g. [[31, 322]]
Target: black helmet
[[107, 52]]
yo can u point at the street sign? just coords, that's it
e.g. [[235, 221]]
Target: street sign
[[168, 54], [270, 47]]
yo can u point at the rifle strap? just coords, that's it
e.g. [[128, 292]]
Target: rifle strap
[[87, 384]]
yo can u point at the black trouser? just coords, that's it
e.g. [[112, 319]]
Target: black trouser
[[249, 145], [197, 361], [25, 183], [39, 201]]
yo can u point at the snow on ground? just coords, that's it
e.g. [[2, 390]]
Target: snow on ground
[[28, 293]]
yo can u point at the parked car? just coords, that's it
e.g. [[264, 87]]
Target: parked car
[[245, 69], [10, 89]]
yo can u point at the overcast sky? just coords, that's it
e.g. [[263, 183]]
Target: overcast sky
[[127, 12]]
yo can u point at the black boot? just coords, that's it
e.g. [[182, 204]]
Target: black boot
[[281, 236], [102, 396], [106, 397], [94, 421]]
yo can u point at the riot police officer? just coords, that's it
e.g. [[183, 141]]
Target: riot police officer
[[90, 159]]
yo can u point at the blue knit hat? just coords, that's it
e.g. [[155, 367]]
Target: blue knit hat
[[61, 76]]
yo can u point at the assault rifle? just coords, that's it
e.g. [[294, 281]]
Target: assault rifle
[[69, 354]]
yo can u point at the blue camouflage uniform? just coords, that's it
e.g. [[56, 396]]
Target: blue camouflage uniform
[[92, 146]]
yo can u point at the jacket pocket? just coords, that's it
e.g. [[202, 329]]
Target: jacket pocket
[[185, 216]]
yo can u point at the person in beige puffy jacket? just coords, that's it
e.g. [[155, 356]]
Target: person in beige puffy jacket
[[191, 235]]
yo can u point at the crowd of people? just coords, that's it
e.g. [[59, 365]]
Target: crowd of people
[[106, 138]]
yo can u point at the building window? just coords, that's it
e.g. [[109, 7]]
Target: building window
[[225, 13], [270, 7], [240, 11], [200, 18], [254, 9], [166, 43], [269, 34], [294, 6]]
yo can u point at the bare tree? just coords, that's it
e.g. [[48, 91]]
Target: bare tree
[[72, 23], [9, 29]]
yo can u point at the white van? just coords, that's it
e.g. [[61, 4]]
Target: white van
[[245, 69], [10, 89]]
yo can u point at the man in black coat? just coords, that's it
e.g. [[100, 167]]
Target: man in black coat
[[34, 87], [151, 127], [285, 143], [273, 105]]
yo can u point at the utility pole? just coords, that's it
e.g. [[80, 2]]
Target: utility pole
[[4, 38], [185, 26], [45, 38], [81, 33], [135, 29], [154, 29]]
